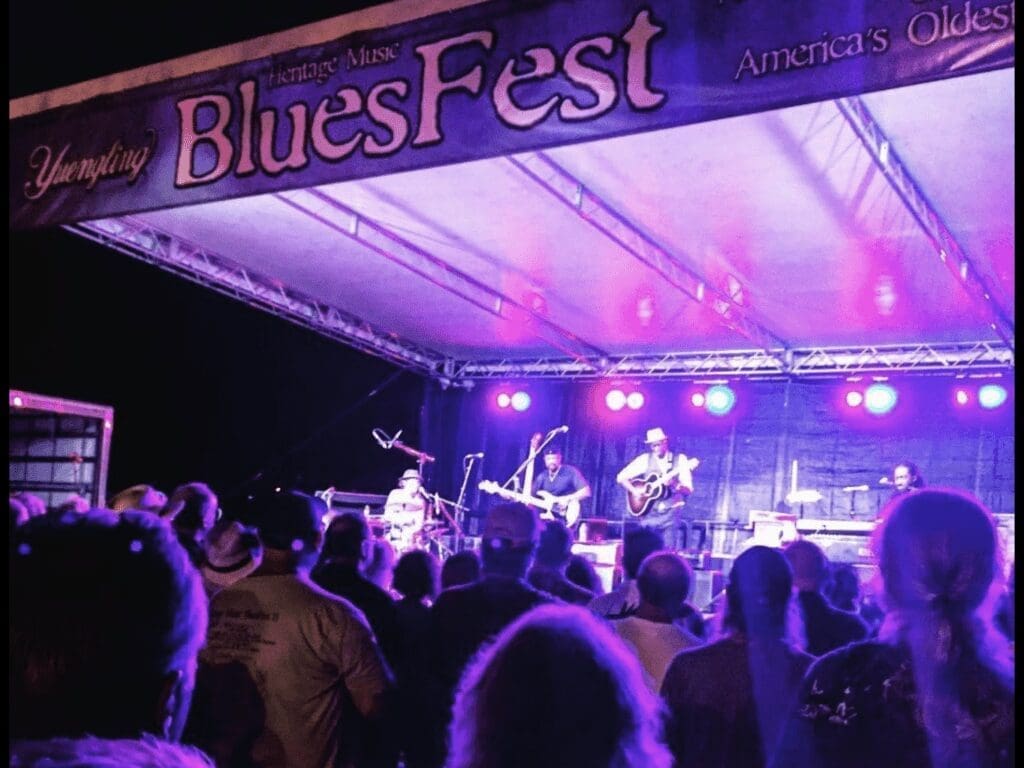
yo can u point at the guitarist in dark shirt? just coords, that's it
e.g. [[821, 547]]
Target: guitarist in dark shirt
[[562, 480], [669, 476]]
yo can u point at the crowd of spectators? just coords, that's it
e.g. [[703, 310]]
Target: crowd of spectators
[[164, 631]]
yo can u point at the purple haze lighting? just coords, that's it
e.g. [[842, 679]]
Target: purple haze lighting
[[991, 396], [879, 399], [697, 399], [504, 400], [635, 401], [520, 401], [962, 397], [615, 400], [854, 399]]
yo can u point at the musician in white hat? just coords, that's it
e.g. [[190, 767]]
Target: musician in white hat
[[657, 485], [405, 510]]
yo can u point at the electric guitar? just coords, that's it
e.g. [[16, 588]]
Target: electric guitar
[[645, 491], [554, 507]]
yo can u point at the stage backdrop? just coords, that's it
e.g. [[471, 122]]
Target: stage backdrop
[[746, 456]]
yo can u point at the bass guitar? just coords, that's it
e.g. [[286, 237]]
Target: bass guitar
[[553, 507], [645, 491]]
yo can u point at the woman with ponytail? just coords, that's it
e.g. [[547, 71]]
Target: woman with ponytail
[[936, 688]]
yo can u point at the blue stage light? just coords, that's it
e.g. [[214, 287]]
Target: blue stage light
[[520, 401], [720, 399], [991, 396], [879, 399]]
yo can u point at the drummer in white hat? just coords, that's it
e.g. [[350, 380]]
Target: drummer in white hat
[[405, 511], [657, 485]]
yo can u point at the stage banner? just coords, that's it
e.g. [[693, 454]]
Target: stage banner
[[481, 81]]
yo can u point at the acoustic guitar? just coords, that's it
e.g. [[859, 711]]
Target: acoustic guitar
[[645, 491]]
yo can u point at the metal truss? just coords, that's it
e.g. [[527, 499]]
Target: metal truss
[[588, 206], [332, 213], [809, 362], [945, 244], [156, 247]]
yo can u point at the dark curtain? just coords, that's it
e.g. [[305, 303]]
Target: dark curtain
[[746, 456]]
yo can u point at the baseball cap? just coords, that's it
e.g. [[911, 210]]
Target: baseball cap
[[286, 517], [516, 524]]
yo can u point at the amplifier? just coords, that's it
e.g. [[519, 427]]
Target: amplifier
[[606, 557], [843, 548]]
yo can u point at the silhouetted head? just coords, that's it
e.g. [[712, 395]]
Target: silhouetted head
[[509, 540], [664, 581], [581, 571], [557, 689], [809, 565], [288, 522], [758, 593], [555, 545], [348, 538], [461, 568], [416, 575], [937, 551], [107, 617], [636, 545]]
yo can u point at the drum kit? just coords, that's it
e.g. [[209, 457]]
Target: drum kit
[[437, 529], [430, 536]]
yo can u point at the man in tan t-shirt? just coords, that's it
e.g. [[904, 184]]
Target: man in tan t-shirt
[[311, 654]]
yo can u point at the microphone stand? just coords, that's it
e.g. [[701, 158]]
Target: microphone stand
[[530, 457], [459, 516], [421, 457]]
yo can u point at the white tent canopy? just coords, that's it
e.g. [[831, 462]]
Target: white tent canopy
[[873, 231]]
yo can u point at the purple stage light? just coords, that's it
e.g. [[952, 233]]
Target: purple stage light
[[520, 401], [615, 400], [962, 397], [697, 399], [991, 396], [504, 400], [879, 399], [854, 399], [635, 401]]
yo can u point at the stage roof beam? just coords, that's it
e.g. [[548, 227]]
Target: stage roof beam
[[942, 239], [551, 177], [831, 362], [332, 213], [153, 246]]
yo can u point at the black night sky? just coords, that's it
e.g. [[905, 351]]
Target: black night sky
[[203, 387]]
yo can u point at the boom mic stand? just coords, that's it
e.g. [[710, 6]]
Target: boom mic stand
[[459, 516], [387, 443], [531, 456]]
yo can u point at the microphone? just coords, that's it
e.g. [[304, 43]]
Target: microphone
[[479, 455], [559, 430], [855, 488], [885, 481]]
